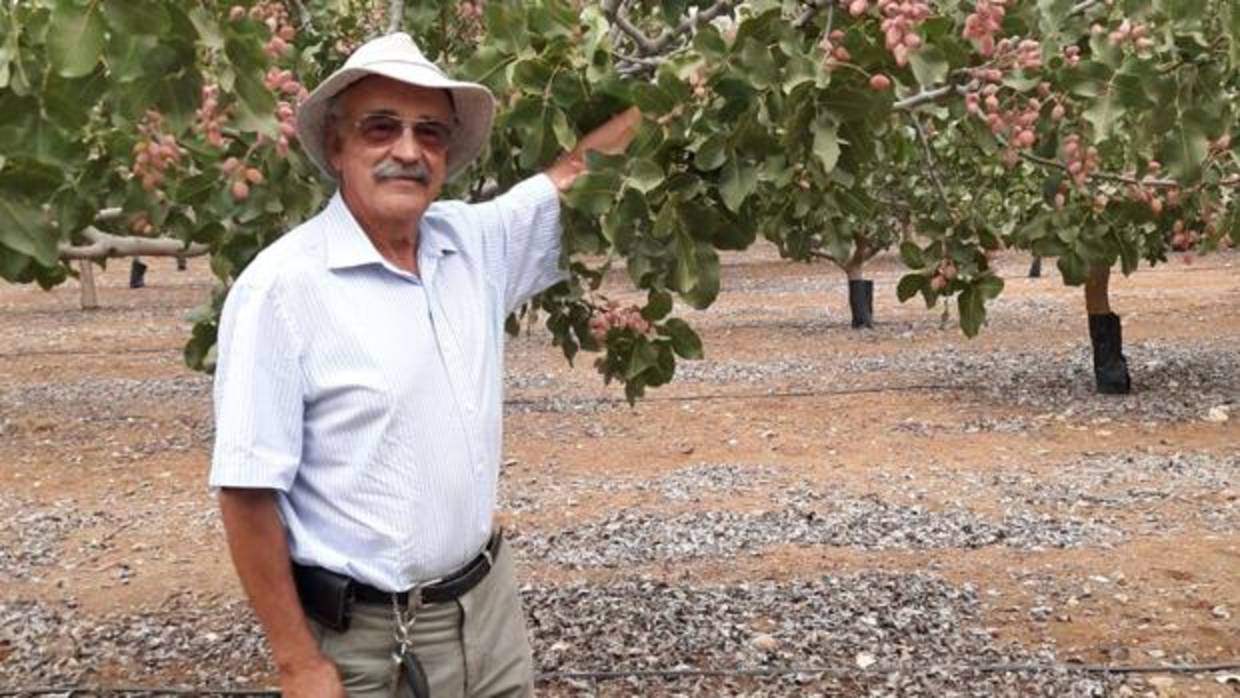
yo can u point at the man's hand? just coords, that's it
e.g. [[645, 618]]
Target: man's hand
[[610, 138], [316, 678]]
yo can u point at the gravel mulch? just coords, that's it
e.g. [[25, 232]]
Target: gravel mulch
[[210, 644], [631, 536], [31, 535], [1178, 381], [923, 632], [909, 620]]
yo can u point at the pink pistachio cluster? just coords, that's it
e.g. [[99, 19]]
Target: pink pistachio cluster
[[139, 224], [1081, 161], [1182, 238], [616, 317], [470, 13], [985, 22], [154, 155], [242, 177], [901, 18], [945, 272], [1017, 123], [209, 119], [1134, 34], [283, 83]]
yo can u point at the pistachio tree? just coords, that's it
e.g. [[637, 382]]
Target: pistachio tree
[[1097, 133]]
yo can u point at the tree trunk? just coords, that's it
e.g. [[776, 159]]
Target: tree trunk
[[1035, 268], [860, 290], [1097, 291], [1106, 335], [86, 277]]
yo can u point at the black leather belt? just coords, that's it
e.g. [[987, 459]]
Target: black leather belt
[[450, 588]]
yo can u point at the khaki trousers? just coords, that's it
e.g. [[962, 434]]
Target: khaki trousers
[[473, 647]]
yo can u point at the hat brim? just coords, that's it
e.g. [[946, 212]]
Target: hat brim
[[475, 110]]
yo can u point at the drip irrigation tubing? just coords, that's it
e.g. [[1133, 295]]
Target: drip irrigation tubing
[[89, 352], [916, 387], [834, 670], [550, 404]]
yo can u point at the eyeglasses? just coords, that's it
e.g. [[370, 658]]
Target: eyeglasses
[[385, 129]]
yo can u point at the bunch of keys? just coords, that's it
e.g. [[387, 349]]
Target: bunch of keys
[[406, 669]]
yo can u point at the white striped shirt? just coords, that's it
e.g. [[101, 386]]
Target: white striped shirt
[[369, 398]]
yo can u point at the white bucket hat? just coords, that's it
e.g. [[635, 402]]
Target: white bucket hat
[[395, 56]]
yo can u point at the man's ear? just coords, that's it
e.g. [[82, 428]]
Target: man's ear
[[334, 147]]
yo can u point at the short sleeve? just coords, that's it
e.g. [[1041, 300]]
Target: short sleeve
[[259, 395], [521, 232]]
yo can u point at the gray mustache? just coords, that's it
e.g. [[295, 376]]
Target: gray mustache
[[391, 169]]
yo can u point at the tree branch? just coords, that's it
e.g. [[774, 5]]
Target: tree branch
[[1125, 179], [303, 14], [812, 9], [931, 163], [648, 46], [396, 14], [1082, 6], [668, 37], [105, 245], [645, 45], [926, 97]]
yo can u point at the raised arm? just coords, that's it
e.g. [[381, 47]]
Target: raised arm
[[610, 139]]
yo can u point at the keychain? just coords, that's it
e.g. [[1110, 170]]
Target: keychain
[[404, 664]]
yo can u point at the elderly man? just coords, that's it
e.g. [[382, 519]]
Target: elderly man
[[358, 393]]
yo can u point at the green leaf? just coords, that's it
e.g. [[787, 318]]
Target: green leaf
[[758, 64], [199, 352], [911, 254], [972, 308], [738, 181], [643, 357], [658, 305], [685, 342], [567, 90], [1233, 28], [1184, 151], [910, 285], [207, 26], [8, 52], [686, 262], [22, 229], [827, 143], [707, 287], [564, 134], [990, 286], [129, 57], [1054, 13], [929, 66], [75, 38], [594, 192], [254, 94], [645, 175], [1073, 268], [130, 17], [532, 75], [1103, 113], [653, 100], [712, 153]]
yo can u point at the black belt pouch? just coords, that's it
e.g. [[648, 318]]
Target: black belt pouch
[[326, 597]]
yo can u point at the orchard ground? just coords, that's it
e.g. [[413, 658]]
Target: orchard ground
[[807, 495]]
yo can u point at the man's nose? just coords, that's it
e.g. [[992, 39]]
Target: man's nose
[[406, 148]]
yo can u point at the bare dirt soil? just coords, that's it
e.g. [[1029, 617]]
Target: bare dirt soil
[[960, 502]]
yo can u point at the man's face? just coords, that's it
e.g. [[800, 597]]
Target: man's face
[[388, 149]]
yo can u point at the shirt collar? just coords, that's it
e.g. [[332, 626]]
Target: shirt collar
[[349, 246]]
